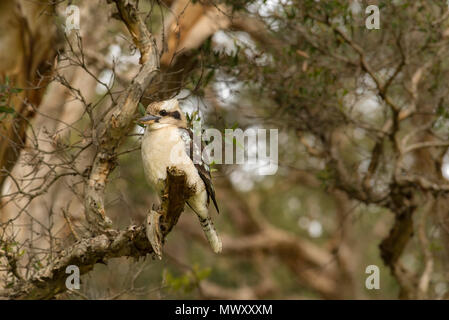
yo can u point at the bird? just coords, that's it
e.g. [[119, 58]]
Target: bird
[[169, 142]]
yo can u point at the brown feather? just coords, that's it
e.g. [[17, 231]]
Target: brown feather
[[203, 168]]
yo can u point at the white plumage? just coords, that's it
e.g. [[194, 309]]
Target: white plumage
[[165, 144]]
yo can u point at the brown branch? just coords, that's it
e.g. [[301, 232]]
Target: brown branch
[[84, 254], [108, 243], [313, 266], [87, 252], [162, 221], [392, 247], [426, 275], [28, 66], [120, 118]]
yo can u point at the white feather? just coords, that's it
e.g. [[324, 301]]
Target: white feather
[[162, 147]]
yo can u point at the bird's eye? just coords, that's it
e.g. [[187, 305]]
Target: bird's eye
[[163, 113]]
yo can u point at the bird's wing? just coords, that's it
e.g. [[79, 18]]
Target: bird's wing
[[194, 148]]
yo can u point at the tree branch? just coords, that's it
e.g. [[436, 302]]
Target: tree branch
[[87, 252], [120, 118]]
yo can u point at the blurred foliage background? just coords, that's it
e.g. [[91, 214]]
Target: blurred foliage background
[[363, 132]]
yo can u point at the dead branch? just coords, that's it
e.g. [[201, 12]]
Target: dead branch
[[120, 118], [87, 252], [161, 221]]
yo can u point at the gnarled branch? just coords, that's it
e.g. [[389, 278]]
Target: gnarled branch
[[120, 118], [87, 252]]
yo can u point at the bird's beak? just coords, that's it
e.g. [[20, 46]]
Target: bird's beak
[[148, 118]]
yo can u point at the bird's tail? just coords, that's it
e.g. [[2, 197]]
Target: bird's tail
[[211, 234]]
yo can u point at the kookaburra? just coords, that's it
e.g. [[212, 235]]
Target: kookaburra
[[168, 142]]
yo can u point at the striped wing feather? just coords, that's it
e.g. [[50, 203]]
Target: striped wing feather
[[195, 150]]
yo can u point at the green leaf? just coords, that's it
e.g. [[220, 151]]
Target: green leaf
[[141, 109], [201, 274], [6, 109], [15, 90], [207, 45], [212, 166], [235, 59], [209, 76]]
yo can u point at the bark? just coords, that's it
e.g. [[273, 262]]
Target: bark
[[120, 118], [87, 252], [28, 46]]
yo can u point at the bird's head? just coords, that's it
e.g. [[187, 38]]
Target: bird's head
[[162, 114]]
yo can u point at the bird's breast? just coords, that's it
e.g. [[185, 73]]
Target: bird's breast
[[155, 147], [165, 148]]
